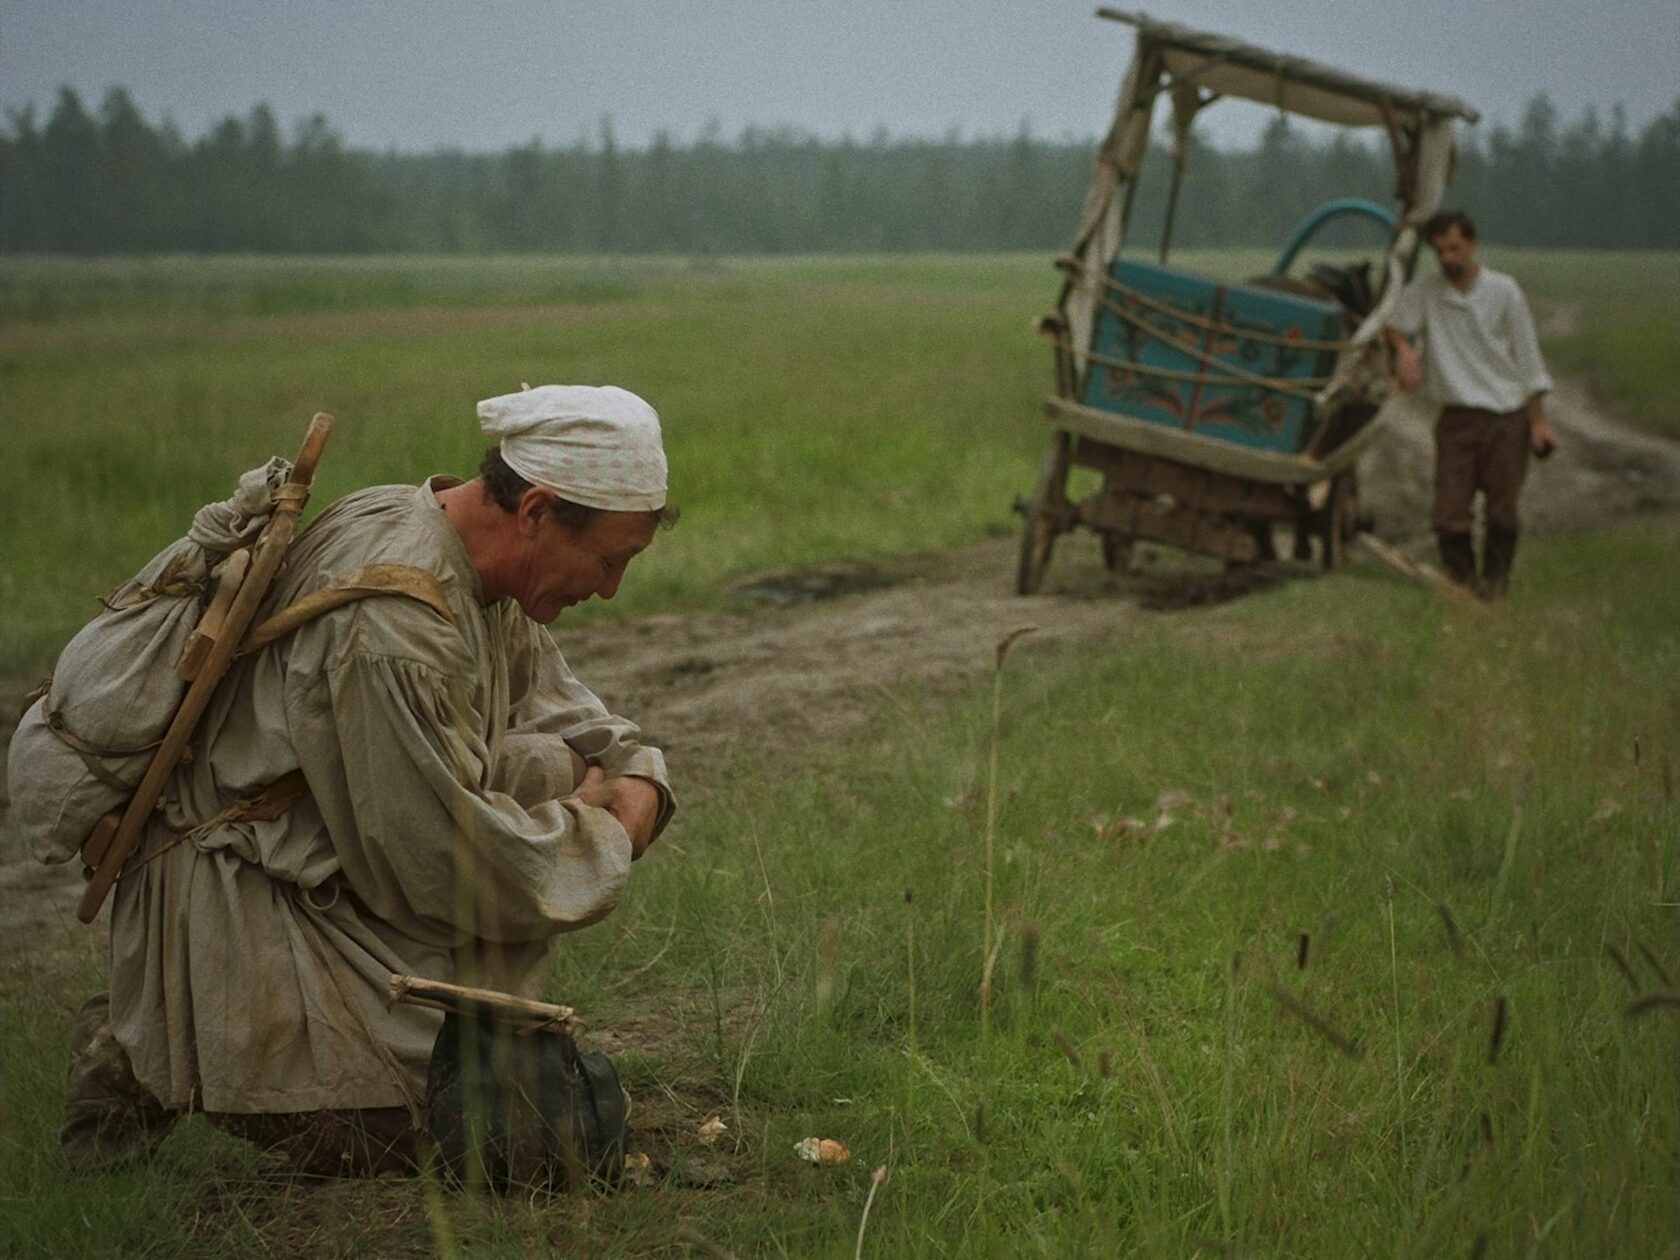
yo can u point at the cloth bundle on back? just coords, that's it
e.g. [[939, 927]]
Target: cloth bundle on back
[[83, 745]]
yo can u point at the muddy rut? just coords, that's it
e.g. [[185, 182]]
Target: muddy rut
[[814, 651]]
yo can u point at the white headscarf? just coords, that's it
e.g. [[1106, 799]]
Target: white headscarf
[[595, 445]]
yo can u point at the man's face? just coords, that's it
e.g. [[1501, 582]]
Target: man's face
[[565, 566], [1455, 252]]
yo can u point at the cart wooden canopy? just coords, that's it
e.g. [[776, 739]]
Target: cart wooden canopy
[[1214, 411], [1230, 67]]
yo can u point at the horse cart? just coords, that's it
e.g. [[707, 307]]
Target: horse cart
[[1214, 412]]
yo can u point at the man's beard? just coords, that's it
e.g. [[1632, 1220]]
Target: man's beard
[[1453, 271]]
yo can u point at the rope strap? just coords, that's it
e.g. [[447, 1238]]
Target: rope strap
[[35, 693], [94, 758], [264, 805], [1076, 277], [1174, 374], [131, 594], [1298, 386], [291, 494]]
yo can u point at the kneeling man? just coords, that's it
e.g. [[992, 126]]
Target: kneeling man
[[459, 798]]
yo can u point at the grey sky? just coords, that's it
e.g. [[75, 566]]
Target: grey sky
[[481, 74]]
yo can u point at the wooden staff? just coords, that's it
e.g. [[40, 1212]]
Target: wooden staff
[[266, 554]]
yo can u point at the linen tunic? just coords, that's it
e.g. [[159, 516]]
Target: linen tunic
[[250, 966], [1480, 347]]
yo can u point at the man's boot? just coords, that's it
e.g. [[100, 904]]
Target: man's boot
[[109, 1116], [1458, 557], [1498, 550]]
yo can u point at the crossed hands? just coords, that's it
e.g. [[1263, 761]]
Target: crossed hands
[[633, 801]]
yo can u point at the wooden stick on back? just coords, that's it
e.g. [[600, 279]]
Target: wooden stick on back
[[266, 554]]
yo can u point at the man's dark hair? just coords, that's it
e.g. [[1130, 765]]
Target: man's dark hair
[[1444, 221], [503, 487]]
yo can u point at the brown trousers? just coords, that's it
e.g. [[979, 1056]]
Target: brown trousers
[[1479, 450], [109, 1117]]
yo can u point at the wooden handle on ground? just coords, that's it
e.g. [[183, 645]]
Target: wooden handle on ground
[[438, 995], [266, 555], [1423, 574]]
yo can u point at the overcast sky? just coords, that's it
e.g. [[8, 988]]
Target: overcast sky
[[482, 74]]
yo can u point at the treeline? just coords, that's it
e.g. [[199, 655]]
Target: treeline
[[111, 182]]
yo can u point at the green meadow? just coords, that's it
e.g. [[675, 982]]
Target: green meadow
[[814, 407], [1331, 921], [1616, 326]]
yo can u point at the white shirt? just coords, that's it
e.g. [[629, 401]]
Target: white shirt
[[1479, 347]]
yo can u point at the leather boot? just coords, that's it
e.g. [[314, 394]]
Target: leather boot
[[1498, 550], [1458, 557], [109, 1116]]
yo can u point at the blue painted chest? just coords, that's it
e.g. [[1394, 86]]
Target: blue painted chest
[[1226, 361]]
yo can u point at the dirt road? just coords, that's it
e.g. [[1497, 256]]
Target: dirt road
[[812, 668], [816, 651]]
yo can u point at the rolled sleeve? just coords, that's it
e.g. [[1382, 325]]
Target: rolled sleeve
[[1527, 362]]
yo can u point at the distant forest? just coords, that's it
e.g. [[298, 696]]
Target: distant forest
[[111, 182]]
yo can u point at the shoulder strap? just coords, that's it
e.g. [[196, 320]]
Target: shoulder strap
[[373, 579]]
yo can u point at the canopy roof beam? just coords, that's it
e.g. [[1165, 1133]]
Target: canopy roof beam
[[1296, 84], [1186, 78], [1403, 140]]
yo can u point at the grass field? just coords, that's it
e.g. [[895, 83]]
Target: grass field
[[811, 409], [1333, 767], [814, 408], [1616, 325], [1266, 875]]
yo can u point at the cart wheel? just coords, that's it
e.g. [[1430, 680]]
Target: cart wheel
[[1044, 514], [1116, 552], [1339, 520], [1116, 548], [1303, 531]]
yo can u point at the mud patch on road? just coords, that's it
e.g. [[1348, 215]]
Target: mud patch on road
[[778, 587], [1166, 591]]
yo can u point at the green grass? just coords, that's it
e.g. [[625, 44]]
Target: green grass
[[812, 409], [1350, 752], [1620, 318], [815, 408], [1138, 1093]]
